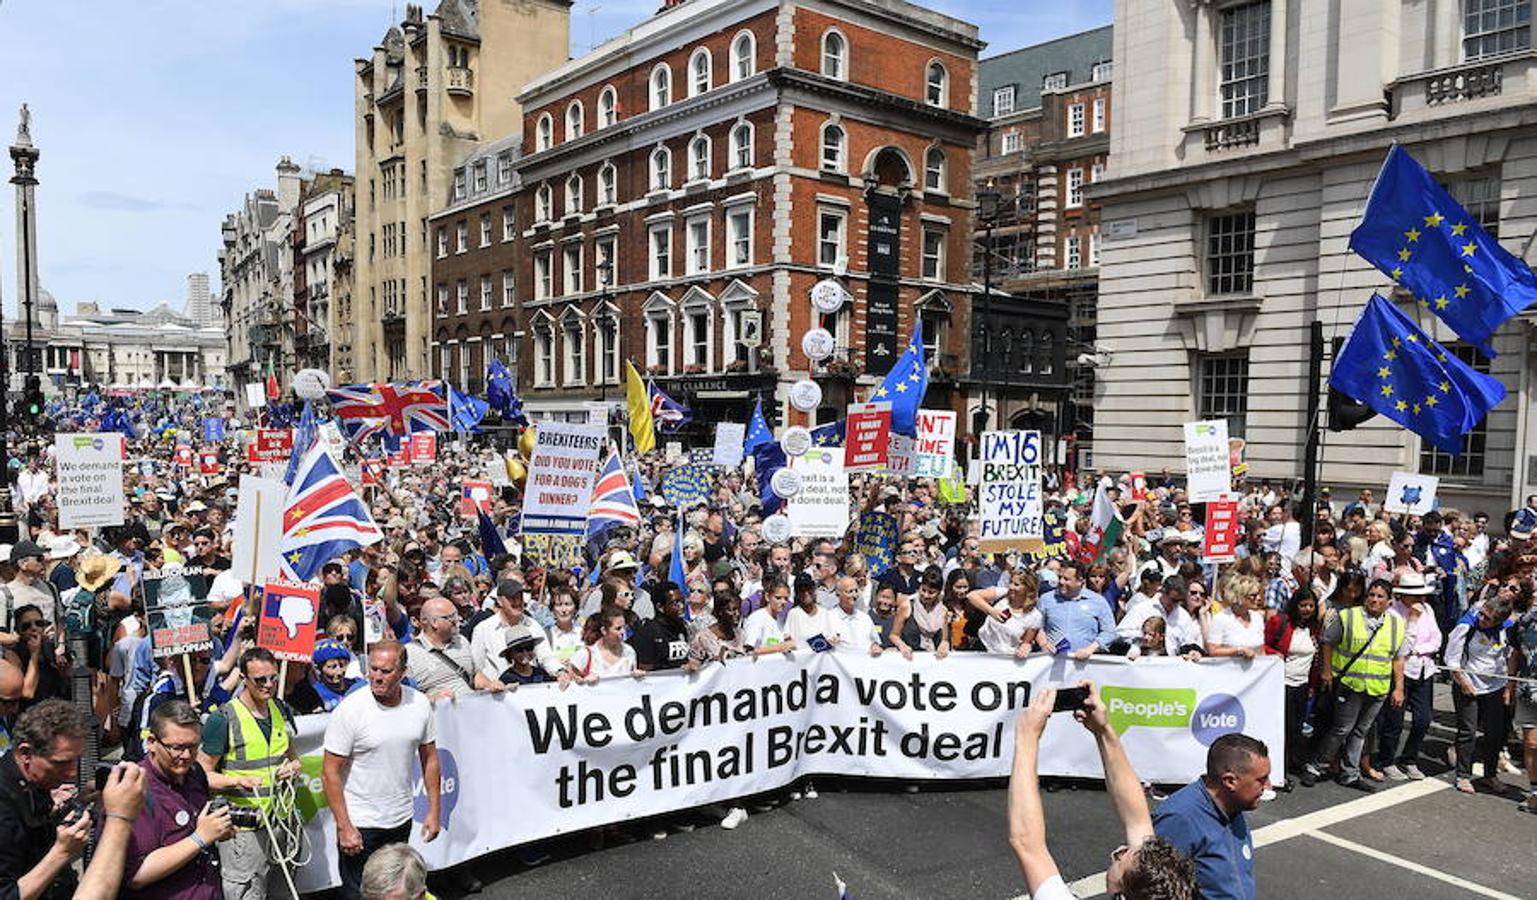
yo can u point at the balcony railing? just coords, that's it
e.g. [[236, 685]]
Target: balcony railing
[[1461, 83], [461, 80]]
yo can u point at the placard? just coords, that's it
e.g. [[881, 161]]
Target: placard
[[899, 455], [1010, 502], [335, 443], [256, 395], [1208, 469], [424, 448], [475, 495], [258, 528], [1410, 493], [934, 448], [1138, 486], [288, 617], [821, 509], [89, 468], [868, 431], [208, 462], [729, 438], [673, 451], [182, 456], [561, 473], [371, 471], [213, 429], [271, 445], [177, 612], [1220, 543]]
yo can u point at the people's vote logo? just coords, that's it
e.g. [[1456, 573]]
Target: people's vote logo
[[1217, 715], [1135, 707], [449, 793], [310, 793]]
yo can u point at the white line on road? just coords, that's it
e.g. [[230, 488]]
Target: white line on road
[[1094, 885], [1411, 865]]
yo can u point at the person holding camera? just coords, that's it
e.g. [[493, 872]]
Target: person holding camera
[[247, 749], [42, 828], [171, 853]]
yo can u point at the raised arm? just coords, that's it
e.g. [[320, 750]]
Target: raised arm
[[1121, 781], [1027, 819]]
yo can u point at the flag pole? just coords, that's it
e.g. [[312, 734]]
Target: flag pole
[[1310, 458]]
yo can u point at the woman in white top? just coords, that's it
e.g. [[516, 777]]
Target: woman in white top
[[1239, 630], [808, 618], [1380, 536], [565, 634], [1012, 617], [606, 655], [931, 615]]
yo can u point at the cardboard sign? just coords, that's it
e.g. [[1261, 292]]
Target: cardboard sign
[[1208, 466], [332, 435], [1410, 493], [182, 456], [729, 438], [208, 462], [1220, 543], [90, 474], [475, 495], [868, 436], [424, 448], [1010, 504], [288, 618], [934, 448], [1138, 486], [821, 507], [271, 445]]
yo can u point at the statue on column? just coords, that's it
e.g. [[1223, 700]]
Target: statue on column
[[24, 126]]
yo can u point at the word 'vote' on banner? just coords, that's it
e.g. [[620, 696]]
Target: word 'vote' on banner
[[623, 750], [1011, 503]]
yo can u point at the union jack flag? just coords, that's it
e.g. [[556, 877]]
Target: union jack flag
[[323, 517], [669, 414], [396, 409], [613, 504]]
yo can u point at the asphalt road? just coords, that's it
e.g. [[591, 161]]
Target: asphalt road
[[1411, 840]]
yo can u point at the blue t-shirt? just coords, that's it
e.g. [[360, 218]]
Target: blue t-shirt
[[1221, 847]]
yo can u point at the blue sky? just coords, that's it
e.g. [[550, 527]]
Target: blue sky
[[155, 117]]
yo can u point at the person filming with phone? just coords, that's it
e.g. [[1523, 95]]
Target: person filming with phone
[[1145, 867]]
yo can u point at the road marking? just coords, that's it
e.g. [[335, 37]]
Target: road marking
[[1094, 885], [1410, 864]]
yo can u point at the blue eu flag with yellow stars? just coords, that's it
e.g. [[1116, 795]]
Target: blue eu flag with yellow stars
[[905, 386], [829, 435], [1390, 365], [1425, 241], [758, 432]]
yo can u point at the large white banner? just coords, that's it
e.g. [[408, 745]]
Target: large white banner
[[1208, 461], [89, 468], [561, 473], [626, 749], [1010, 505], [821, 509]]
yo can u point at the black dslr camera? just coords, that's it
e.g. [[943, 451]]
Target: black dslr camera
[[247, 817]]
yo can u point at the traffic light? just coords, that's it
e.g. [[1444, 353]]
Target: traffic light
[[32, 400], [1346, 412]]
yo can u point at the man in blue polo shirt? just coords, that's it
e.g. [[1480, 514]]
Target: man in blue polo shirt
[[1205, 819], [1076, 620]]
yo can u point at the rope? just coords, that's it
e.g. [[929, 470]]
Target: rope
[[286, 846]]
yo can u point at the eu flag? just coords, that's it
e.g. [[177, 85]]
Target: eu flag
[[464, 411], [758, 432], [905, 386], [829, 435], [768, 459], [1423, 239], [501, 395], [1390, 365]]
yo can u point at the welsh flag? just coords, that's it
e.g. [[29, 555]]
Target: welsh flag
[[1105, 527], [273, 391]]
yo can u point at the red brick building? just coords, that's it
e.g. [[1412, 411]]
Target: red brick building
[[679, 190]]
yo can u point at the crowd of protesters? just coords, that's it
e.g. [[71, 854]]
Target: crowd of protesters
[[1367, 617]]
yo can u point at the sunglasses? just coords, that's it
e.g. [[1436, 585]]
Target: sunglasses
[[263, 680]]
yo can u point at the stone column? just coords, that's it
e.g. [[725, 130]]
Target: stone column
[[1276, 87], [1204, 72]]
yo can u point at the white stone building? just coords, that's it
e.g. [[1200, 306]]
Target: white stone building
[[1247, 138]]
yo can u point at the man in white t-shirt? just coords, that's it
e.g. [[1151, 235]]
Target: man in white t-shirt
[[370, 743]]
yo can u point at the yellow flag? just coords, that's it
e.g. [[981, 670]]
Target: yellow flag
[[639, 403]]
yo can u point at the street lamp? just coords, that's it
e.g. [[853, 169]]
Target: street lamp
[[987, 208], [606, 273]]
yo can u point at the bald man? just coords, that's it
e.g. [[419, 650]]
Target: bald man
[[443, 666]]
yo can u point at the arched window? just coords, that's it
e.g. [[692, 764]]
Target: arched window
[[1046, 353], [699, 77], [835, 53], [661, 86], [573, 346], [1026, 352], [741, 146], [544, 350], [573, 194], [937, 84], [574, 120], [544, 133], [699, 158], [744, 52], [544, 204], [934, 170], [833, 150], [608, 107], [608, 181], [661, 169]]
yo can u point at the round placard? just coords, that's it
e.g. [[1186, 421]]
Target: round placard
[[818, 344], [786, 483], [805, 395], [796, 441], [311, 384], [777, 529], [828, 296]]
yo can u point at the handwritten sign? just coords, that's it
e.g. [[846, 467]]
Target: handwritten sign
[[934, 448], [1011, 507]]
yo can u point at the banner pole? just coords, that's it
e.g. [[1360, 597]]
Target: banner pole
[[186, 669]]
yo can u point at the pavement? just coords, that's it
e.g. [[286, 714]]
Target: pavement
[[1407, 840]]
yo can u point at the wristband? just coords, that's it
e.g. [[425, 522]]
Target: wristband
[[198, 839], [128, 819]]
